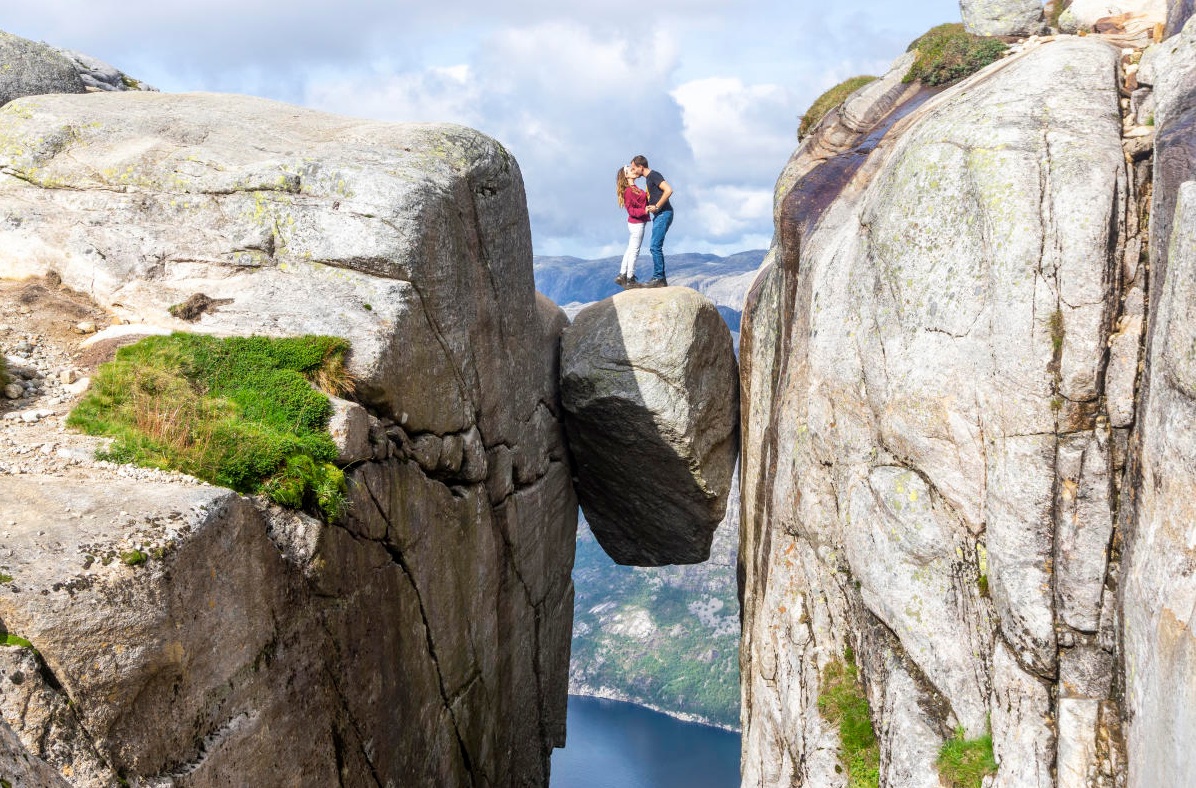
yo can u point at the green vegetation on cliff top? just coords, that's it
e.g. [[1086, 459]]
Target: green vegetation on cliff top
[[841, 701], [239, 412], [828, 101], [948, 53]]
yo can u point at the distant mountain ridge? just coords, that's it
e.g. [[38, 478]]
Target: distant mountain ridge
[[725, 280]]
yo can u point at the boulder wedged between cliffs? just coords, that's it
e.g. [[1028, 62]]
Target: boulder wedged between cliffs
[[649, 387]]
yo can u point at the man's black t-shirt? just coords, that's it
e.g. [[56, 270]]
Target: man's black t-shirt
[[654, 179]]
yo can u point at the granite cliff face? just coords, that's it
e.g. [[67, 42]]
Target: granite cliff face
[[965, 464], [424, 639]]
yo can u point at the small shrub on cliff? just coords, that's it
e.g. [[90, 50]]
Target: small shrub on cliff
[[841, 701], [239, 412], [828, 101], [964, 763], [3, 372], [948, 53]]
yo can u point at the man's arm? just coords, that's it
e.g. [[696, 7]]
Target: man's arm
[[666, 191]]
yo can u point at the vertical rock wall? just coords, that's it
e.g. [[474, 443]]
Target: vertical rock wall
[[939, 371], [1160, 593]]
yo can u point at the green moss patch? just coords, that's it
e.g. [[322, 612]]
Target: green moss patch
[[964, 763], [828, 101], [841, 701], [239, 412], [948, 53], [10, 639]]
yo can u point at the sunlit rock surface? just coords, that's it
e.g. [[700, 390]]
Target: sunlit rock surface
[[931, 465], [649, 386], [423, 640], [1002, 17]]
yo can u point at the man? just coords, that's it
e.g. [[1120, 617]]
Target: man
[[659, 192]]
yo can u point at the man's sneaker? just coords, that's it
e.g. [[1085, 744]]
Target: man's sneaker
[[621, 280], [630, 283], [656, 281]]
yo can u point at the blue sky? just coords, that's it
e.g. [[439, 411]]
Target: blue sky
[[709, 90]]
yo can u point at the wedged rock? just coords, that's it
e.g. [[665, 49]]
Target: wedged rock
[[926, 449], [423, 639], [1002, 17], [33, 68], [649, 386]]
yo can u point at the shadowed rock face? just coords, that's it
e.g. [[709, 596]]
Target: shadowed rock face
[[930, 457], [649, 386], [423, 640]]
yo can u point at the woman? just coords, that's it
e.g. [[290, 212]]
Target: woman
[[635, 200]]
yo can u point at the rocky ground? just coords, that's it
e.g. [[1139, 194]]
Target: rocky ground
[[44, 336]]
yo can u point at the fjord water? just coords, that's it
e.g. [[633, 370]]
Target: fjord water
[[621, 745]]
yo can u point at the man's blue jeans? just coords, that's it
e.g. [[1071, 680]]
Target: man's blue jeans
[[660, 225]]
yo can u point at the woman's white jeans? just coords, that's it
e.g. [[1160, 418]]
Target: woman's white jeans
[[636, 229]]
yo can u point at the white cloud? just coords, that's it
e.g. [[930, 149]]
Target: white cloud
[[435, 94], [737, 132], [709, 90], [723, 213]]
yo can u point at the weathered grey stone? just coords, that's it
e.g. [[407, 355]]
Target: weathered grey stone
[[1002, 17], [1174, 66], [349, 426], [1077, 759], [649, 386], [1023, 739], [32, 68], [916, 577], [425, 636], [1084, 516], [1083, 14], [1178, 14], [22, 769], [98, 75], [913, 358], [1160, 585]]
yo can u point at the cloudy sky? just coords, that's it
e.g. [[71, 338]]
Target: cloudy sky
[[709, 90]]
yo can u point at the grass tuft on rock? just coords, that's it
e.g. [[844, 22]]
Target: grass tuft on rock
[[948, 53], [964, 763], [10, 639], [239, 412], [828, 101], [841, 701]]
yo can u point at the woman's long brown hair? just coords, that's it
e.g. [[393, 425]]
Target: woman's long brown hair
[[621, 184]]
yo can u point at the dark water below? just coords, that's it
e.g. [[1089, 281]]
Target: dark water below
[[621, 745]]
